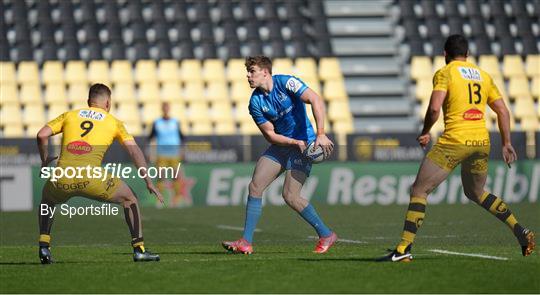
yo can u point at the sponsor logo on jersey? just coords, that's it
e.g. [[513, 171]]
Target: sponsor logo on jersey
[[282, 96], [265, 109], [293, 85], [473, 115], [79, 147], [470, 73], [90, 114]]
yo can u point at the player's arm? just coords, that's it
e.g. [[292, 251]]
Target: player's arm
[[138, 159], [317, 107], [43, 145], [432, 114], [503, 121], [271, 136]]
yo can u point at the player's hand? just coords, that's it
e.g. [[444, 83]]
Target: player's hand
[[424, 140], [48, 161], [326, 144], [509, 154], [302, 145], [153, 190]]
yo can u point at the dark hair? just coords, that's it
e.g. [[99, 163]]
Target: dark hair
[[261, 61], [456, 45], [99, 89]]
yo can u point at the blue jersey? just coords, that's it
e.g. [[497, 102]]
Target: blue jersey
[[168, 135], [283, 108]]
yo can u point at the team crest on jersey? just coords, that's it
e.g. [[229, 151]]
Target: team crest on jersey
[[265, 109], [470, 73], [90, 114], [293, 85], [79, 147], [473, 115]]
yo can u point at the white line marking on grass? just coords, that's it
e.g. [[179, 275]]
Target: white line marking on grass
[[468, 254], [343, 240], [222, 226]]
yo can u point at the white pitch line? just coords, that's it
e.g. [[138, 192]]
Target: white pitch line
[[468, 254], [343, 240], [222, 226]]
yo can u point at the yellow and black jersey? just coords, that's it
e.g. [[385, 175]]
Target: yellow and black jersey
[[468, 90], [87, 134]]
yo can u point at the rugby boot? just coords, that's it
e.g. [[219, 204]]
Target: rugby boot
[[527, 242], [396, 256], [142, 255], [324, 244], [240, 246]]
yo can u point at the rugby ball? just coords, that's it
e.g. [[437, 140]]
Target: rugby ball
[[314, 153]]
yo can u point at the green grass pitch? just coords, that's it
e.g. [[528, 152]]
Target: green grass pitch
[[93, 254]]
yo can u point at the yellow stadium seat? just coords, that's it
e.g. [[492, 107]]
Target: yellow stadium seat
[[13, 130], [7, 73], [236, 70], [314, 85], [532, 65], [225, 128], [134, 129], [499, 82], [198, 111], [282, 66], [438, 63], [191, 70], [513, 66], [10, 114], [334, 90], [149, 92], [8, 93], [306, 68], [79, 104], [33, 129], [213, 70], [338, 110], [524, 108], [241, 114], [146, 71], [178, 110], [128, 112], [309, 112], [241, 92], [121, 71], [30, 93], [249, 128], [329, 69], [53, 72], [168, 71], [123, 92], [423, 89], [518, 86], [55, 93], [201, 128], [343, 126], [34, 114], [221, 111], [171, 91], [76, 72], [56, 110], [530, 124], [150, 112], [535, 87], [194, 91], [471, 59], [98, 72], [217, 91], [490, 64], [28, 72], [77, 91]]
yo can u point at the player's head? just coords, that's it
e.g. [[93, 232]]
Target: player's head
[[165, 108], [99, 96], [259, 70], [455, 46]]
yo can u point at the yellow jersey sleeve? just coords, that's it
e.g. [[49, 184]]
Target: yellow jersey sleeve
[[57, 124], [493, 93], [440, 80], [122, 135]]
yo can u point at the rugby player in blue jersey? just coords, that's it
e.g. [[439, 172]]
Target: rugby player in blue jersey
[[277, 106]]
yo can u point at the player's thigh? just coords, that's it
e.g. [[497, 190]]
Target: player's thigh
[[429, 176], [103, 191], [266, 171], [294, 180], [123, 194], [474, 173], [52, 193]]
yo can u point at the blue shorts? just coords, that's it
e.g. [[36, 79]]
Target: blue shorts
[[289, 157]]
